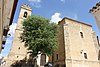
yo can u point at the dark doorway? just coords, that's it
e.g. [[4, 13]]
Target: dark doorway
[[43, 60]]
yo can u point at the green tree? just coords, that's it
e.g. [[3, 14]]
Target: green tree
[[39, 35]]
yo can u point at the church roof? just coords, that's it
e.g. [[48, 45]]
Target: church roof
[[75, 21]]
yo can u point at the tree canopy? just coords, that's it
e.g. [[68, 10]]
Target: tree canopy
[[39, 35]]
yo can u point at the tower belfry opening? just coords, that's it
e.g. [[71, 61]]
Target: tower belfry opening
[[25, 14]]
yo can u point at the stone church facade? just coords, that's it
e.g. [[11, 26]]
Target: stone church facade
[[78, 44]]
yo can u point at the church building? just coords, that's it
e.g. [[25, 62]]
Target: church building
[[77, 44]]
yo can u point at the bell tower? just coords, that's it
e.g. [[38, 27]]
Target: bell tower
[[18, 50], [95, 11]]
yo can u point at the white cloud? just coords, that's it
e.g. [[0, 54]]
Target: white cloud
[[0, 56], [35, 3], [75, 17], [12, 28], [9, 39], [62, 1], [56, 17]]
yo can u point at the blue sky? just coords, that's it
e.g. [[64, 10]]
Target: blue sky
[[58, 9]]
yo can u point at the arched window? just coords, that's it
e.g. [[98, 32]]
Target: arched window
[[43, 59], [56, 56], [85, 55], [25, 14], [81, 33], [19, 48]]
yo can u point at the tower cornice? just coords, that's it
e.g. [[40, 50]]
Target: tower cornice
[[27, 7], [95, 8]]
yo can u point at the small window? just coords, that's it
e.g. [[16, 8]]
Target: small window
[[17, 56], [19, 48], [81, 33], [56, 56], [25, 14], [85, 55]]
